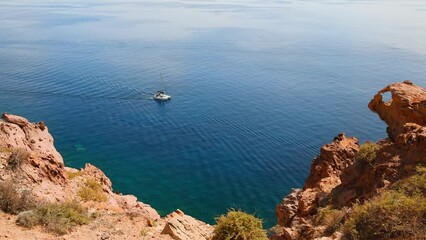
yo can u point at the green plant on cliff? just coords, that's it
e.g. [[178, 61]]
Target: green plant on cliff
[[330, 218], [414, 184], [59, 218], [367, 152], [238, 225], [72, 175], [398, 213], [92, 191], [17, 157]]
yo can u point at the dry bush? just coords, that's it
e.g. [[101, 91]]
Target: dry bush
[[92, 191], [59, 218], [11, 201], [17, 157], [72, 175], [330, 218]]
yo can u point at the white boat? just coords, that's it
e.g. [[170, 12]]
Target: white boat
[[161, 95]]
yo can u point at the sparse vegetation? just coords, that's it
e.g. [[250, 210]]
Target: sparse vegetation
[[92, 191], [4, 149], [144, 232], [72, 175], [367, 152], [55, 217], [59, 218], [415, 184], [398, 213], [331, 218], [238, 225], [11, 201], [17, 157]]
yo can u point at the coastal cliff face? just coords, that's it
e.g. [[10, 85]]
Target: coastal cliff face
[[338, 179], [29, 161]]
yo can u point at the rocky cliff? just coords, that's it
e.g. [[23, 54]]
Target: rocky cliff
[[29, 160], [338, 178]]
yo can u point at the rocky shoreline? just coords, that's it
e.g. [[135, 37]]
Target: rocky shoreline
[[337, 179], [49, 180]]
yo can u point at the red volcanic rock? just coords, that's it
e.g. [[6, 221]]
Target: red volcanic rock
[[395, 161], [408, 105], [296, 209], [337, 180], [42, 125], [288, 207], [333, 158]]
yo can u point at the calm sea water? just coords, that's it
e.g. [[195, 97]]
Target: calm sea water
[[258, 87]]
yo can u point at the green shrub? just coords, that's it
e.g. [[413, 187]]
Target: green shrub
[[238, 225], [399, 213], [17, 157], [367, 152], [415, 184], [11, 201], [330, 218], [92, 191], [59, 218]]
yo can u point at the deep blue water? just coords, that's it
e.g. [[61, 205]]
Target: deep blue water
[[258, 87]]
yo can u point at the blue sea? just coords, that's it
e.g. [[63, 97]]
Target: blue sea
[[257, 88]]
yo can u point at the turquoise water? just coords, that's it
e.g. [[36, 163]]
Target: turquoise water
[[258, 87]]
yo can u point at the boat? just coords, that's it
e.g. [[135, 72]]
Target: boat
[[161, 95]]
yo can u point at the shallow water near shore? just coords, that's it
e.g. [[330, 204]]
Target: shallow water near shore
[[258, 87]]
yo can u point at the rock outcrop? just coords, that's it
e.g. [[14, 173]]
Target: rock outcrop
[[44, 168], [337, 179], [296, 211], [184, 227], [395, 160], [333, 159], [407, 105], [39, 168]]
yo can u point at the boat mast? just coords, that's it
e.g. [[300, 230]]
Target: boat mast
[[164, 85]]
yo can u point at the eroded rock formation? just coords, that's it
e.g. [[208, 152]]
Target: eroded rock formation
[[337, 180], [407, 105], [296, 211], [333, 159]]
